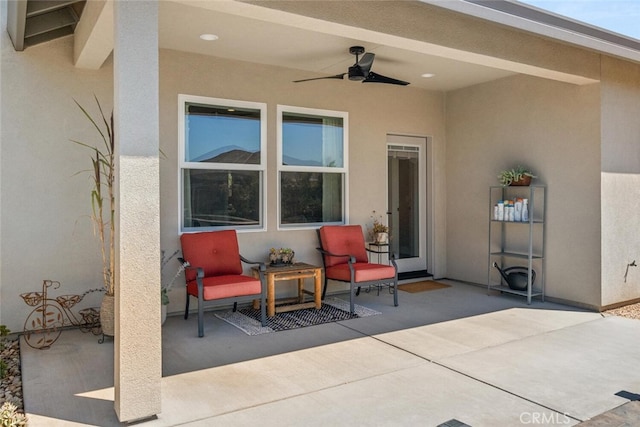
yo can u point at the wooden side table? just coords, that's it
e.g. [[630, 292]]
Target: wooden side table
[[298, 271]]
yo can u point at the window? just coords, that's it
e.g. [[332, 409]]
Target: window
[[222, 163], [312, 171]]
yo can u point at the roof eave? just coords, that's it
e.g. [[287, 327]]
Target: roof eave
[[530, 19]]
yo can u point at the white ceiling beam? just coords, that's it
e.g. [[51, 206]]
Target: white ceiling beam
[[16, 19], [93, 39]]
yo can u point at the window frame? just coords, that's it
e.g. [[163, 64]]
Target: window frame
[[183, 165], [344, 169]]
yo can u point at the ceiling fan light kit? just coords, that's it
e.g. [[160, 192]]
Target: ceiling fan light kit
[[356, 74], [361, 70]]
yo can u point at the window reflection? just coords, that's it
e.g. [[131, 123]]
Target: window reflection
[[311, 198], [221, 198], [222, 134], [223, 164], [312, 168]]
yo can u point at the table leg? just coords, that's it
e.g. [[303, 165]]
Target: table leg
[[256, 302], [300, 291], [317, 279], [271, 295]]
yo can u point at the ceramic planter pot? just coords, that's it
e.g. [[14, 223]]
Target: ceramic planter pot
[[382, 238], [107, 315], [522, 182]]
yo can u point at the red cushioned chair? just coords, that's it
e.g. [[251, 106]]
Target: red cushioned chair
[[345, 259], [215, 271]]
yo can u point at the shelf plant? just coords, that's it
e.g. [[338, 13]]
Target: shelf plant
[[519, 175]]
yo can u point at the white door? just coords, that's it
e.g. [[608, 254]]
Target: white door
[[407, 205]]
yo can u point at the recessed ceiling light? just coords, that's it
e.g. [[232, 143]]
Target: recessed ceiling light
[[428, 75], [208, 37]]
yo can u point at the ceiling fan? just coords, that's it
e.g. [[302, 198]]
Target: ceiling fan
[[361, 70]]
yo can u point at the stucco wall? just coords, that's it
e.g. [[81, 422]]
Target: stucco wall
[[551, 127], [44, 218], [620, 183], [374, 111]]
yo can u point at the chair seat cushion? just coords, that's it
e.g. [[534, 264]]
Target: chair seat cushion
[[364, 272], [228, 286]]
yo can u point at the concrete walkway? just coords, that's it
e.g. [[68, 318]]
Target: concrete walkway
[[442, 356]]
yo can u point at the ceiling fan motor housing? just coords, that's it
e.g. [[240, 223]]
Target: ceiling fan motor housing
[[355, 73], [361, 70]]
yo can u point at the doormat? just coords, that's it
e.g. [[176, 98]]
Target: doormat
[[333, 310], [427, 285]]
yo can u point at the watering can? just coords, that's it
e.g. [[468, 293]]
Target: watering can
[[516, 277]]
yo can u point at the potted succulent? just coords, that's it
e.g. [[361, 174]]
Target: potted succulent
[[103, 208], [379, 231], [10, 415], [516, 176], [281, 256], [286, 254]]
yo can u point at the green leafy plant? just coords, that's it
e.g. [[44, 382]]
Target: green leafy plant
[[10, 417], [4, 332], [164, 289], [103, 177], [509, 176]]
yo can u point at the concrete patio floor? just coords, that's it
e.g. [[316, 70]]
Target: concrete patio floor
[[448, 354]]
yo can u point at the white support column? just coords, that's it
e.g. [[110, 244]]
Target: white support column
[[138, 338]]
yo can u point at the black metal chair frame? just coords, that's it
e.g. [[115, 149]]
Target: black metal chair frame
[[200, 275], [354, 287]]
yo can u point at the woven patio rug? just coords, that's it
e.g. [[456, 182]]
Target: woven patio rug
[[333, 310], [427, 285]]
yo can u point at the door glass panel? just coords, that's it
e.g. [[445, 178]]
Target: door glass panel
[[404, 186]]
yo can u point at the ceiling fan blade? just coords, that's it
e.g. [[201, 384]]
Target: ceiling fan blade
[[337, 76], [378, 78], [366, 62]]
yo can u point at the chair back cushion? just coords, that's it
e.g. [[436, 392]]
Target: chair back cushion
[[215, 251], [342, 240]]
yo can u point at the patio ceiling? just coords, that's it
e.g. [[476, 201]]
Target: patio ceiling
[[314, 37], [247, 33]]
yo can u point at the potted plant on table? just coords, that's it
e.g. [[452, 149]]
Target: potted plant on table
[[103, 209], [379, 231], [518, 176], [281, 256]]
